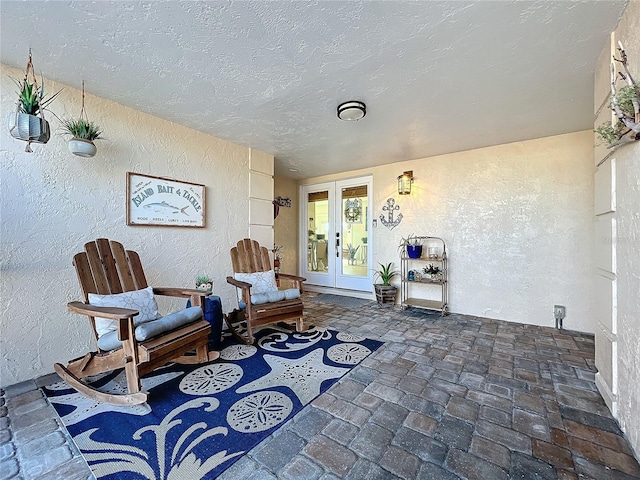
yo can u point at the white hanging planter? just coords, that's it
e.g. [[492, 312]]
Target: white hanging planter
[[28, 123], [29, 128], [82, 147]]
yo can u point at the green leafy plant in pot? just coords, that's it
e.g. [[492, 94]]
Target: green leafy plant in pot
[[204, 282], [412, 245], [27, 123], [434, 272], [385, 292], [83, 132]]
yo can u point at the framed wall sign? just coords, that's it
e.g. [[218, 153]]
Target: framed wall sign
[[164, 201]]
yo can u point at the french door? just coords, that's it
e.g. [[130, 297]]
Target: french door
[[335, 237]]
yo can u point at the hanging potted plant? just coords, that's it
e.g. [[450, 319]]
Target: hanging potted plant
[[83, 132], [28, 122]]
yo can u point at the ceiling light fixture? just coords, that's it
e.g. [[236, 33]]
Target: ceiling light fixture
[[352, 110]]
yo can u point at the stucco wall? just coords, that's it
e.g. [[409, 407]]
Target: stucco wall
[[628, 248], [52, 202], [517, 219], [286, 225]]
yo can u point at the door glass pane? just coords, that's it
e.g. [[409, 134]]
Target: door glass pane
[[318, 231], [354, 233]]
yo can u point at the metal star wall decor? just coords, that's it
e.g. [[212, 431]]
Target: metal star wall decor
[[390, 207]]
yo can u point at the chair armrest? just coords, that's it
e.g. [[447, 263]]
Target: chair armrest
[[114, 313], [179, 292], [123, 315], [197, 296], [295, 278], [297, 281], [238, 283]]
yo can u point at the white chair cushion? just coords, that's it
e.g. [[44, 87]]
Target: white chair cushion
[[261, 282], [141, 300]]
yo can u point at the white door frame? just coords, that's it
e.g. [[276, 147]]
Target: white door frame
[[334, 278]]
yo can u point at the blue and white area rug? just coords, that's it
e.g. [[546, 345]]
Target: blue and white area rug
[[200, 419]]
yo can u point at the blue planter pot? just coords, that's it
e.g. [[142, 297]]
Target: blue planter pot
[[414, 251]]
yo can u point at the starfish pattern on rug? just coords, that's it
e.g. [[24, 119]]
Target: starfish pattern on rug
[[303, 376]]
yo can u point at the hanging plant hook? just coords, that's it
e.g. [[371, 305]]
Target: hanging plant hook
[[83, 113]]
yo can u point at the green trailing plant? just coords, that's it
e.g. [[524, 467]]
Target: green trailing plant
[[386, 273], [609, 133], [625, 103], [625, 97], [81, 128]]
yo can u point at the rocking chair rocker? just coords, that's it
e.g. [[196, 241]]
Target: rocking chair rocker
[[105, 269], [259, 300]]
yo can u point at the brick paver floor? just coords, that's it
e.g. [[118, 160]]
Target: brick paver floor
[[458, 397]]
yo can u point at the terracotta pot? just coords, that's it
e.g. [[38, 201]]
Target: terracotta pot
[[82, 147]]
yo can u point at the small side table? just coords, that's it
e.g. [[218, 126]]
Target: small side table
[[213, 315]]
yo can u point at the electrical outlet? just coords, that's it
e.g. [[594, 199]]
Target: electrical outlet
[[558, 313]]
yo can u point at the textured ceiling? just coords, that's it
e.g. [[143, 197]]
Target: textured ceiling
[[437, 77]]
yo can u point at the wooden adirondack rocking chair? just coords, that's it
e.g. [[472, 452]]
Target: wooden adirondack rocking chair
[[260, 302], [106, 269]]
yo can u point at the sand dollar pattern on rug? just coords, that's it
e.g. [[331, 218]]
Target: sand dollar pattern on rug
[[349, 337], [348, 353], [211, 379], [238, 352], [259, 412]]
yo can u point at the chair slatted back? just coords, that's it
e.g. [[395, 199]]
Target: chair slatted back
[[105, 268], [249, 257]]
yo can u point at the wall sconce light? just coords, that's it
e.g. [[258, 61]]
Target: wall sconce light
[[352, 110], [404, 183]]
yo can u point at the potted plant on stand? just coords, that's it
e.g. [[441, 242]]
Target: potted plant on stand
[[385, 292], [434, 272], [28, 122], [412, 245], [83, 132]]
